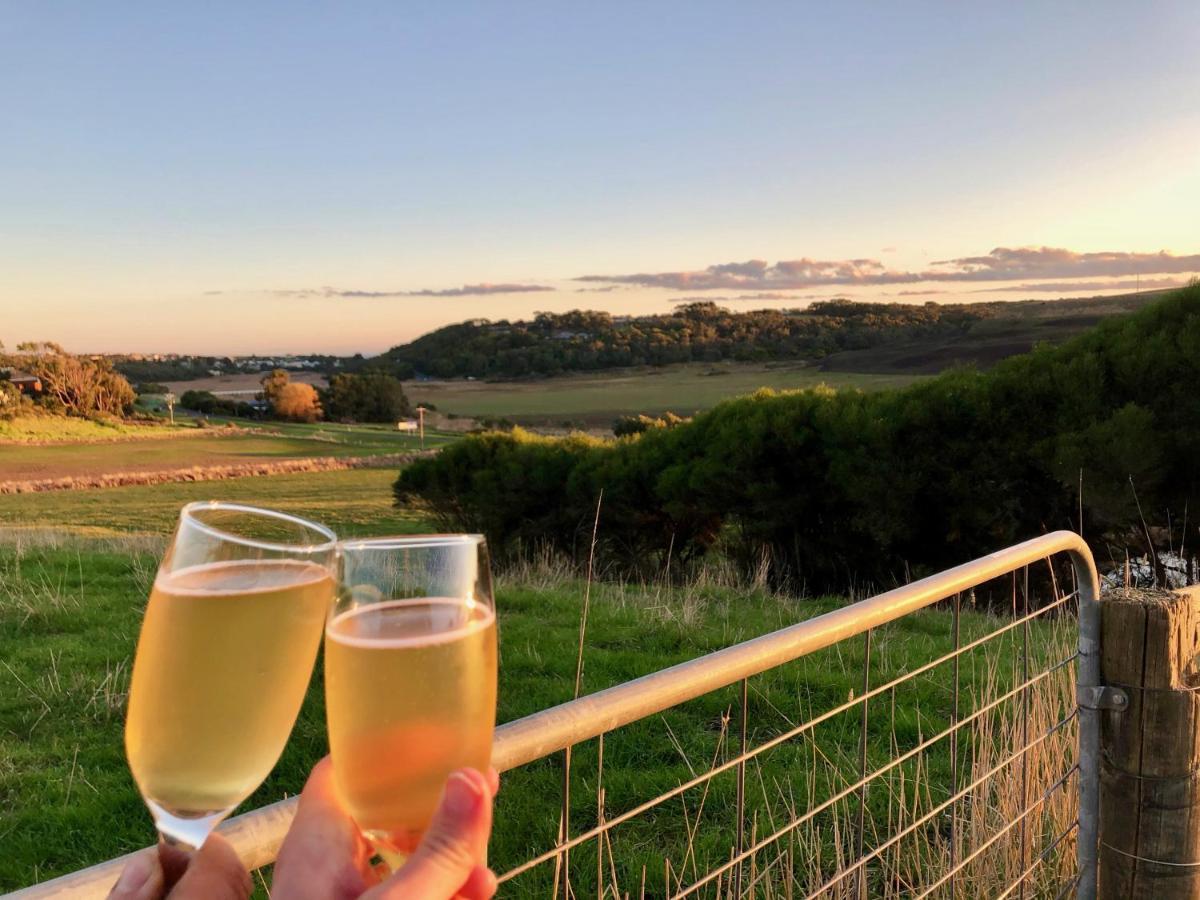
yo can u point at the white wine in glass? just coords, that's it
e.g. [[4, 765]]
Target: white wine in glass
[[410, 679], [223, 661]]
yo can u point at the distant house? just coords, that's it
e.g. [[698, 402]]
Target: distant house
[[406, 425], [25, 382]]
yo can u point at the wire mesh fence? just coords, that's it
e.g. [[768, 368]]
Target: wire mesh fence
[[932, 756], [924, 742]]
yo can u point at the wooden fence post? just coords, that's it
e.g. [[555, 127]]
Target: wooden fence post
[[1150, 746]]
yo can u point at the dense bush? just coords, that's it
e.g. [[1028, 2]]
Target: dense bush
[[627, 425], [839, 487], [297, 402], [12, 402], [290, 400], [370, 397]]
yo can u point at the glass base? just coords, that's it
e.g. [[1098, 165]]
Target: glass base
[[187, 832]]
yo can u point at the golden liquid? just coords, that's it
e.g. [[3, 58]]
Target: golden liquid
[[223, 661], [411, 696]]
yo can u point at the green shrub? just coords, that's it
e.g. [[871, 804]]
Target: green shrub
[[627, 425], [371, 397]]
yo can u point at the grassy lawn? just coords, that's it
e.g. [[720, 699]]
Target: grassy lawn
[[69, 618], [598, 398], [36, 429], [356, 501], [273, 441]]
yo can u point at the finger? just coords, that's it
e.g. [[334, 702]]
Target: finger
[[481, 884], [493, 780], [215, 873], [454, 845], [323, 856], [174, 861], [142, 878]]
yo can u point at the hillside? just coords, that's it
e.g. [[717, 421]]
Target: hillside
[[847, 334], [836, 488]]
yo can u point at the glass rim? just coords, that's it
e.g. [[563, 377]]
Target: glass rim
[[410, 542], [189, 511]]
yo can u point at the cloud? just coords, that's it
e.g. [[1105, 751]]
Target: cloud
[[757, 273], [1008, 264], [1145, 284], [467, 290], [601, 290], [475, 290], [762, 295], [922, 293], [1001, 264], [775, 295]]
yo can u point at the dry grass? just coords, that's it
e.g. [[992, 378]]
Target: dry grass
[[908, 847], [998, 823]]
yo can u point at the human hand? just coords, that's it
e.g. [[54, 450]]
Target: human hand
[[213, 872], [324, 857]]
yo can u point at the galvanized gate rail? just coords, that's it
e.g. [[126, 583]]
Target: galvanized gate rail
[[257, 835]]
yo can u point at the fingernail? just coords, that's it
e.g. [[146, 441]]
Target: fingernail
[[462, 795], [493, 883], [135, 875]]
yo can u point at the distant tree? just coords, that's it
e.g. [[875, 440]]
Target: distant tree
[[78, 386], [372, 397], [272, 384], [297, 402], [49, 348]]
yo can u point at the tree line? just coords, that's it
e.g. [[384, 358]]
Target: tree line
[[694, 332], [832, 488]]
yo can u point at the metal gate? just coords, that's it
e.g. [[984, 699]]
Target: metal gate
[[973, 772]]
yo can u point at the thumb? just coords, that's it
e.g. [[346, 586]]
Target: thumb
[[142, 878], [453, 847], [215, 873]]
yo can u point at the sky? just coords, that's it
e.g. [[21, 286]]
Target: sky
[[289, 177]]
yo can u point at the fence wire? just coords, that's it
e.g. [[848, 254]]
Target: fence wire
[[931, 757]]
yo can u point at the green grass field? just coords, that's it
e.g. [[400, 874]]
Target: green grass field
[[596, 399], [69, 618], [36, 429], [165, 450], [357, 501]]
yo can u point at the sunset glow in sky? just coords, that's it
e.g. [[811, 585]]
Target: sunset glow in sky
[[237, 178]]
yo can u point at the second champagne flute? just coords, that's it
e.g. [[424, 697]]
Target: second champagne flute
[[410, 679]]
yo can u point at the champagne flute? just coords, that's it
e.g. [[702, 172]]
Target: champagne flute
[[410, 679], [226, 650]]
